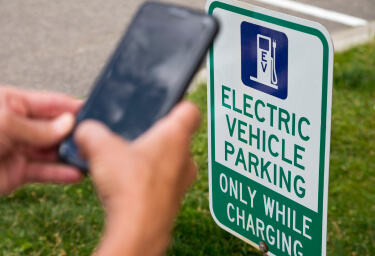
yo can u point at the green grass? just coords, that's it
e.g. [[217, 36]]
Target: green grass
[[68, 220], [351, 210]]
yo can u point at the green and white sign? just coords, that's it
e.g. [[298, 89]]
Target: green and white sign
[[269, 103]]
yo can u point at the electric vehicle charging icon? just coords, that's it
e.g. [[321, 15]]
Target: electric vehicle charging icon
[[266, 64]]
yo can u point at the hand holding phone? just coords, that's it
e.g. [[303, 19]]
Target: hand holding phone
[[148, 72]]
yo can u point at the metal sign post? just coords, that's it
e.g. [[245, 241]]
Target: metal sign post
[[269, 106]]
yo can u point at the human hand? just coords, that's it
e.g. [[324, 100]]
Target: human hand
[[31, 126], [141, 182]]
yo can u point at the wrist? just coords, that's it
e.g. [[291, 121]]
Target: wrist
[[128, 232]]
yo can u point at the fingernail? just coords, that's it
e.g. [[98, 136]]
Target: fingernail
[[64, 123]]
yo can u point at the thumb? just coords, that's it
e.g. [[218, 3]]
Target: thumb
[[100, 147], [94, 139], [36, 132]]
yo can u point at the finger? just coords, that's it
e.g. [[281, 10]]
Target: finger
[[42, 155], [94, 138], [176, 128], [42, 172], [186, 115], [50, 104], [190, 173], [38, 133]]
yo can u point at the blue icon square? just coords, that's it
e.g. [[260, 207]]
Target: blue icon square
[[264, 59]]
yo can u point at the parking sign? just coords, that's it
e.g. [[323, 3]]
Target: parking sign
[[269, 106]]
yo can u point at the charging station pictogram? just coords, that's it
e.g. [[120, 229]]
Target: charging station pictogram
[[264, 59]]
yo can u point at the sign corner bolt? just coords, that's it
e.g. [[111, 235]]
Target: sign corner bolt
[[263, 247]]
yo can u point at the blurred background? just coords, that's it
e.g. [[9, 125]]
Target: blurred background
[[62, 45]]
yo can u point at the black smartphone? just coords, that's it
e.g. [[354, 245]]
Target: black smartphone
[[147, 74]]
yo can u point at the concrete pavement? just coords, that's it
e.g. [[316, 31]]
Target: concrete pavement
[[62, 45]]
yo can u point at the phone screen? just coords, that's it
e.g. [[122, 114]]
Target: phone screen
[[148, 72]]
